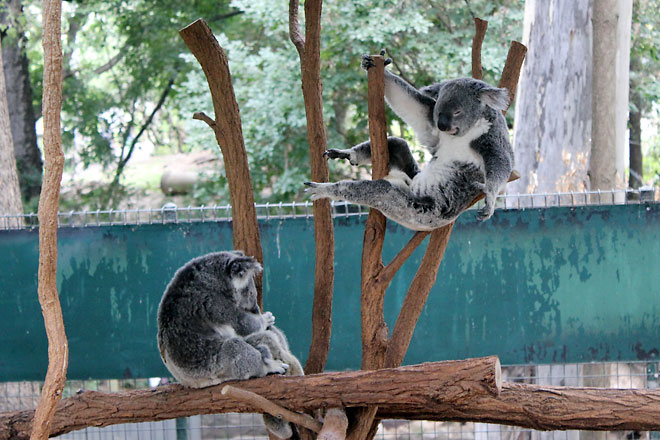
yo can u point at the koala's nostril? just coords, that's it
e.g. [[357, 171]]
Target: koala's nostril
[[444, 122]]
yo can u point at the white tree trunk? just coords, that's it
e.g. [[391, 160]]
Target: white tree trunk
[[10, 193], [552, 127], [611, 37]]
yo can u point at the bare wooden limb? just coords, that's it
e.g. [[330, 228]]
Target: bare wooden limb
[[309, 49], [440, 391], [263, 405], [203, 45], [295, 34], [416, 296], [205, 118], [334, 425], [393, 266], [374, 328], [431, 385], [512, 66], [58, 351], [480, 27]]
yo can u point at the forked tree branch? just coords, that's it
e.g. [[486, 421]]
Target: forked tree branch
[[227, 127]]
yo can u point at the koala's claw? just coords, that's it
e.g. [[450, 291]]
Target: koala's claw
[[335, 154], [485, 212], [368, 62], [316, 190], [276, 367], [269, 318]]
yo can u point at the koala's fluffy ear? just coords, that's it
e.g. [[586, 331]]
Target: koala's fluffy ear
[[497, 99]]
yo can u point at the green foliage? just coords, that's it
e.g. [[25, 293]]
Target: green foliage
[[121, 56]]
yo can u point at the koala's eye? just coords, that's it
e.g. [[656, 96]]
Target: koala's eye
[[458, 112]]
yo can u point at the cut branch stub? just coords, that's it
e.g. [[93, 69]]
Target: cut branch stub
[[511, 71], [480, 27], [227, 127]]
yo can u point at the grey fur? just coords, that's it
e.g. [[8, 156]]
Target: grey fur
[[461, 124], [210, 328]]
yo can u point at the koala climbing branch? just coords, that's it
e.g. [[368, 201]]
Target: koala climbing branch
[[480, 27]]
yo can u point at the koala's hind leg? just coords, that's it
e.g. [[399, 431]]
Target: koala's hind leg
[[401, 157], [395, 202], [274, 339], [241, 360]]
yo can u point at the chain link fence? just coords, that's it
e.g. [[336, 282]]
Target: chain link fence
[[170, 213], [639, 375]]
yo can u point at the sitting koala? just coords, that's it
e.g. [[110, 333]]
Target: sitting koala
[[210, 328], [460, 121]]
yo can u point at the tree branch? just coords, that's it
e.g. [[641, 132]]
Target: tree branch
[[479, 33], [309, 50], [58, 352], [294, 28], [334, 425], [264, 405], [431, 386], [203, 45], [387, 274], [511, 71]]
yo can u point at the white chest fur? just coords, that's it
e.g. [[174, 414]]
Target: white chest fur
[[451, 149]]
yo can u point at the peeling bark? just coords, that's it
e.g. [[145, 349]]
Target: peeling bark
[[552, 128]]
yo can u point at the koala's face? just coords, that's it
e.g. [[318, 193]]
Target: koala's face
[[240, 270], [461, 102]]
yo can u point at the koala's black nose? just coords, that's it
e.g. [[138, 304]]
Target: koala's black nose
[[444, 122]]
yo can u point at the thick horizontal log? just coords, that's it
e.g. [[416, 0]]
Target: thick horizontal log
[[549, 408], [418, 386], [441, 391]]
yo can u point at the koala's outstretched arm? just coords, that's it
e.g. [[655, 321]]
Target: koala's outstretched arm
[[414, 107], [400, 156], [395, 202]]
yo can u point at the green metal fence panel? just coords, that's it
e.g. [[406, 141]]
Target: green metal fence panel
[[532, 286]]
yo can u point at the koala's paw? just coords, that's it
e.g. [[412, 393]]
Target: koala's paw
[[317, 191], [268, 318], [368, 62], [486, 211], [276, 367], [336, 154], [479, 186]]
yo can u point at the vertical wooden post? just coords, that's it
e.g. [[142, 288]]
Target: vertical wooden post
[[309, 50], [58, 352]]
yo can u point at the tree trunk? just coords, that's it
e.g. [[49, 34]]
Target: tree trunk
[[604, 170], [635, 142], [19, 99], [10, 193], [552, 128]]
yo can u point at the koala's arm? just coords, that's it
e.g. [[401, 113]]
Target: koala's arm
[[401, 157], [498, 163], [411, 105]]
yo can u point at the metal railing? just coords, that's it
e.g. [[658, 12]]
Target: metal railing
[[170, 213]]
